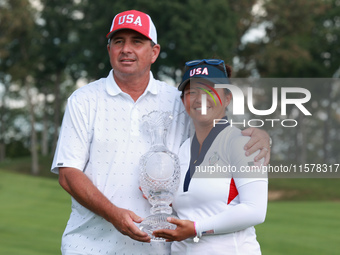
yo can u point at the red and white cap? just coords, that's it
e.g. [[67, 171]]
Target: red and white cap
[[135, 20]]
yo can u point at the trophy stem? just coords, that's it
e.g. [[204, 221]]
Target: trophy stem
[[161, 207], [155, 222]]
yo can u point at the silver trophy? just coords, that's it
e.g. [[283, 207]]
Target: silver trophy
[[160, 173]]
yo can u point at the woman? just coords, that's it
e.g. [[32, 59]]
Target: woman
[[218, 204]]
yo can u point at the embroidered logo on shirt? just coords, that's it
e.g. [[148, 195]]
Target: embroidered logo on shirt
[[60, 164], [213, 159], [208, 232]]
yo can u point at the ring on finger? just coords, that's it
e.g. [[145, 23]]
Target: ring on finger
[[264, 148]]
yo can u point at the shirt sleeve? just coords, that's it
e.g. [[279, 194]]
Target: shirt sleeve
[[247, 170], [74, 138], [249, 212]]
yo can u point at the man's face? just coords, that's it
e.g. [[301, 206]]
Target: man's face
[[131, 53]]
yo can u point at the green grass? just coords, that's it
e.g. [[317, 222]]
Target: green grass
[[33, 214], [300, 228], [311, 189]]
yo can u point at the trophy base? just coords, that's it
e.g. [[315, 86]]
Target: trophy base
[[155, 222]]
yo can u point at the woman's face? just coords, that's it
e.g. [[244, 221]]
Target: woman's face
[[194, 105]]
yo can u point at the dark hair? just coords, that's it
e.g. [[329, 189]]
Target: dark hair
[[228, 69]]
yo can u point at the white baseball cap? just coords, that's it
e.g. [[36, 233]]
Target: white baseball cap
[[135, 20]]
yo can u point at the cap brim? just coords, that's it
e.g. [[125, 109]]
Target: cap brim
[[212, 80], [109, 35]]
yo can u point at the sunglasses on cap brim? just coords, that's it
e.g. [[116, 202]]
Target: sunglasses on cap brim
[[212, 61]]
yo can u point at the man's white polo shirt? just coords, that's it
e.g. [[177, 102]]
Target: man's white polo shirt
[[102, 136]]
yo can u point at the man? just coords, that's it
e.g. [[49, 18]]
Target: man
[[101, 141]]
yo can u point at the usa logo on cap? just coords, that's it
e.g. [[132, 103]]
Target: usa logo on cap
[[199, 71], [135, 20]]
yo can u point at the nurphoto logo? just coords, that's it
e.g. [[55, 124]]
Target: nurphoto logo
[[238, 103]]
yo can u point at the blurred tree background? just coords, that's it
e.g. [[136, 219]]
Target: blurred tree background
[[48, 48]]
